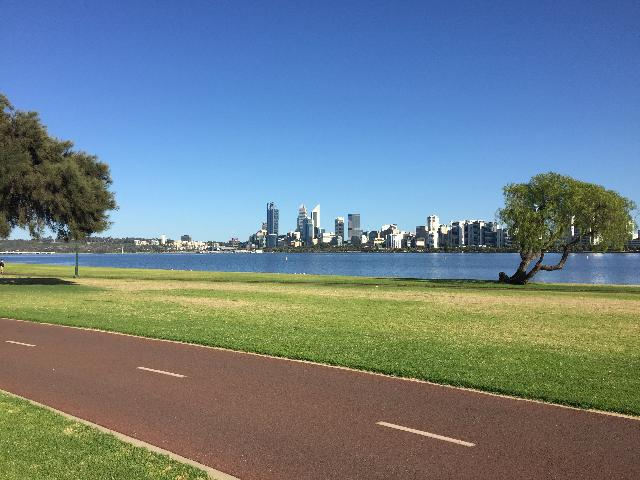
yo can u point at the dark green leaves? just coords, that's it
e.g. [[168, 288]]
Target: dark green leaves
[[45, 183]]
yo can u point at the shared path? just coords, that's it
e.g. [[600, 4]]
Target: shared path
[[257, 417]]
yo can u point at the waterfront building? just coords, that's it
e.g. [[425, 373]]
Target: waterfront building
[[258, 239], [307, 231], [339, 227], [389, 229], [163, 239], [272, 240], [457, 234], [432, 240], [474, 235], [186, 238], [353, 220], [373, 235], [393, 240], [433, 222], [302, 214], [327, 238], [315, 216], [273, 216]]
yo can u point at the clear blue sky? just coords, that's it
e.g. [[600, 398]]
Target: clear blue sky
[[207, 110]]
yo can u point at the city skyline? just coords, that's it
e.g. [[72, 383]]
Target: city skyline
[[432, 235], [391, 109]]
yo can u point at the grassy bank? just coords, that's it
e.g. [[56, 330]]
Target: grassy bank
[[577, 345], [36, 443]]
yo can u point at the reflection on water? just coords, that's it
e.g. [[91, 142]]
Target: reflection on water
[[609, 268]]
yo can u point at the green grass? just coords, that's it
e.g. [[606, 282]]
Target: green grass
[[36, 443], [571, 344]]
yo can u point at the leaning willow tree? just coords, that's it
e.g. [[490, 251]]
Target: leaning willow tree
[[553, 212], [45, 183]]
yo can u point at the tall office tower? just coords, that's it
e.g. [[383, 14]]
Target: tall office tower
[[307, 231], [272, 224], [433, 222], [186, 238], [315, 216], [353, 220], [302, 214], [339, 227], [163, 239]]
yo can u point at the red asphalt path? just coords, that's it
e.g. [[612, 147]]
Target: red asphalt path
[[256, 417]]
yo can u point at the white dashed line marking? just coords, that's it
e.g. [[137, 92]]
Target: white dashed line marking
[[19, 343], [162, 372], [427, 434]]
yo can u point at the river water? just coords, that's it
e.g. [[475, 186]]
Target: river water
[[608, 268]]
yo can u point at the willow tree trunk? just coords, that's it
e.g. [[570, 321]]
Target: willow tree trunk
[[520, 277]]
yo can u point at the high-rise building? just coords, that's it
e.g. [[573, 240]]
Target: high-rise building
[[433, 222], [315, 216], [302, 214], [272, 224], [307, 231], [163, 239], [185, 238], [457, 233], [339, 227], [354, 230]]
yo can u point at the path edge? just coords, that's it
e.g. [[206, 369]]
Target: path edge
[[211, 472]]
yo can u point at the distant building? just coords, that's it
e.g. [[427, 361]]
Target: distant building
[[273, 216], [307, 231], [354, 230], [272, 240], [474, 235], [327, 238], [393, 240], [457, 234], [432, 240], [186, 238], [302, 214], [258, 239], [315, 216], [339, 227], [163, 239], [433, 222]]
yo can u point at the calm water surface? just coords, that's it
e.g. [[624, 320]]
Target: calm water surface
[[610, 268]]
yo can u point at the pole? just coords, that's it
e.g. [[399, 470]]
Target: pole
[[77, 248]]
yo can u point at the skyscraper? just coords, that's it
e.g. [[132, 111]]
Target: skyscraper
[[315, 216], [307, 231], [272, 224], [302, 214], [433, 222], [354, 227], [339, 227]]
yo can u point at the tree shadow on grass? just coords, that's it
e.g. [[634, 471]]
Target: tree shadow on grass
[[34, 281]]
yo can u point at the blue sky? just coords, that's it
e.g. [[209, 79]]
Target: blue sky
[[206, 110]]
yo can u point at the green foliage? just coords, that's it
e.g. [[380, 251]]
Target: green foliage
[[44, 182], [539, 214]]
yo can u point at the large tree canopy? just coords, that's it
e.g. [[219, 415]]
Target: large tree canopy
[[44, 182], [556, 212]]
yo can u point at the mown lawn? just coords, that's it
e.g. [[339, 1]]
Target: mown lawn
[[37, 444], [572, 344]]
